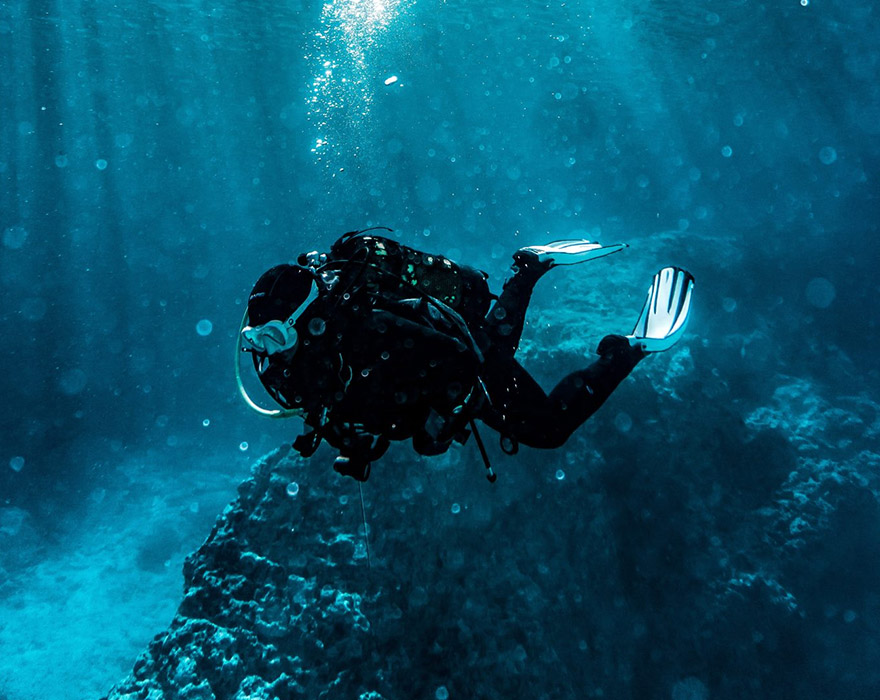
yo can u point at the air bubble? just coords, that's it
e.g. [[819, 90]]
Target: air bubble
[[204, 327], [16, 464], [827, 155], [73, 381], [33, 309], [560, 475], [456, 509], [206, 422], [820, 292], [441, 693], [317, 326], [14, 237], [101, 164], [243, 447], [727, 151], [292, 489], [728, 304], [623, 422]]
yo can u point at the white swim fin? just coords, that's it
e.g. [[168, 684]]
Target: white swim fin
[[570, 252], [667, 309]]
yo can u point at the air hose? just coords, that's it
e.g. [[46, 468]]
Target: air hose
[[269, 412]]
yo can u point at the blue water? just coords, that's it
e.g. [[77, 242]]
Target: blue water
[[156, 157]]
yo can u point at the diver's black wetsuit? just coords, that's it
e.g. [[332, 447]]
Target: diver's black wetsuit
[[374, 365], [520, 409]]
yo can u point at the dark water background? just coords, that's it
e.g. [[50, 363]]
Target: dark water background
[[156, 157]]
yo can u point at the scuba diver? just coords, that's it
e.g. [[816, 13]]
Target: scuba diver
[[374, 341]]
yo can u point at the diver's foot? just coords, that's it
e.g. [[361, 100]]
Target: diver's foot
[[666, 312], [569, 252], [613, 347]]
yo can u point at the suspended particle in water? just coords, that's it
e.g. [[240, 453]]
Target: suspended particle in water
[[204, 327], [206, 422], [292, 489], [243, 447], [827, 155], [391, 79], [820, 292], [16, 464], [560, 475], [101, 164], [61, 161], [194, 507], [456, 509], [123, 140]]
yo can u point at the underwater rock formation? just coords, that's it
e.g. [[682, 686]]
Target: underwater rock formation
[[733, 566], [708, 534]]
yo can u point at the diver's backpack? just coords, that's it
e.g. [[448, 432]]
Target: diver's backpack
[[444, 295], [384, 268]]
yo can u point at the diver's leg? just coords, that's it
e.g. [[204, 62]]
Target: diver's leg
[[505, 320], [521, 410]]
